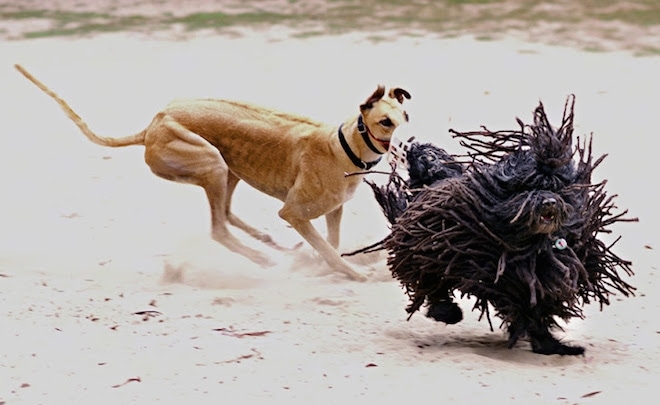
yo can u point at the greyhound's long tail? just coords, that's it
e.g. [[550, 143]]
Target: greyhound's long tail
[[137, 139]]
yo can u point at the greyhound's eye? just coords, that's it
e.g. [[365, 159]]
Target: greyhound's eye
[[386, 122]]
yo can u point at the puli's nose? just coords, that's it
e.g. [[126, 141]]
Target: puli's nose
[[549, 202]]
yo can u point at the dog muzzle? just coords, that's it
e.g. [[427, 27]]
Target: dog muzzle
[[398, 150]]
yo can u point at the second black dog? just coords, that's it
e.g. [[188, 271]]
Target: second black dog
[[516, 226]]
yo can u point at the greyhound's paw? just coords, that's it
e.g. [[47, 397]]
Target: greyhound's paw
[[350, 274], [268, 262], [262, 260], [358, 277]]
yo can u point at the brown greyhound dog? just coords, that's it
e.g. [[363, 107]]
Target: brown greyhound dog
[[216, 143]]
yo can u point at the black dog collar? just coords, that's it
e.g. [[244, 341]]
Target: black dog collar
[[356, 160]]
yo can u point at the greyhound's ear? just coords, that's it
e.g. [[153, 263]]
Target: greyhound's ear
[[377, 95], [399, 93]]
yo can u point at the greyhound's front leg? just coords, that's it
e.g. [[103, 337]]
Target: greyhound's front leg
[[314, 238], [333, 220]]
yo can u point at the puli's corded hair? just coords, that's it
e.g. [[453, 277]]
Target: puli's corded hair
[[516, 225]]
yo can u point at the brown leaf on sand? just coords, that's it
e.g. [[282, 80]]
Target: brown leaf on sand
[[134, 379], [148, 313], [255, 354], [257, 333], [230, 332], [591, 394]]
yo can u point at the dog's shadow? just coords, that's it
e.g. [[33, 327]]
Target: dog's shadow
[[491, 345]]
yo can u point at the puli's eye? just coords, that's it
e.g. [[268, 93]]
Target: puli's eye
[[386, 122]]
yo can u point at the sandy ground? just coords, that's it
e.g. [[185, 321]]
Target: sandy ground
[[91, 239]]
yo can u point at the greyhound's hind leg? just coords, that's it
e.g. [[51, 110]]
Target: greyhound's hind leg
[[175, 153]]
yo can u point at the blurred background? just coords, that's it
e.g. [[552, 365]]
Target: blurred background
[[594, 25]]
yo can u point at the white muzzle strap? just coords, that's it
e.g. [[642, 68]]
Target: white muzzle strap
[[398, 151]]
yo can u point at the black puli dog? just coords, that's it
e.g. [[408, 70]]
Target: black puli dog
[[515, 225]]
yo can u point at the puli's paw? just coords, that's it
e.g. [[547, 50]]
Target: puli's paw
[[546, 344], [445, 311]]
